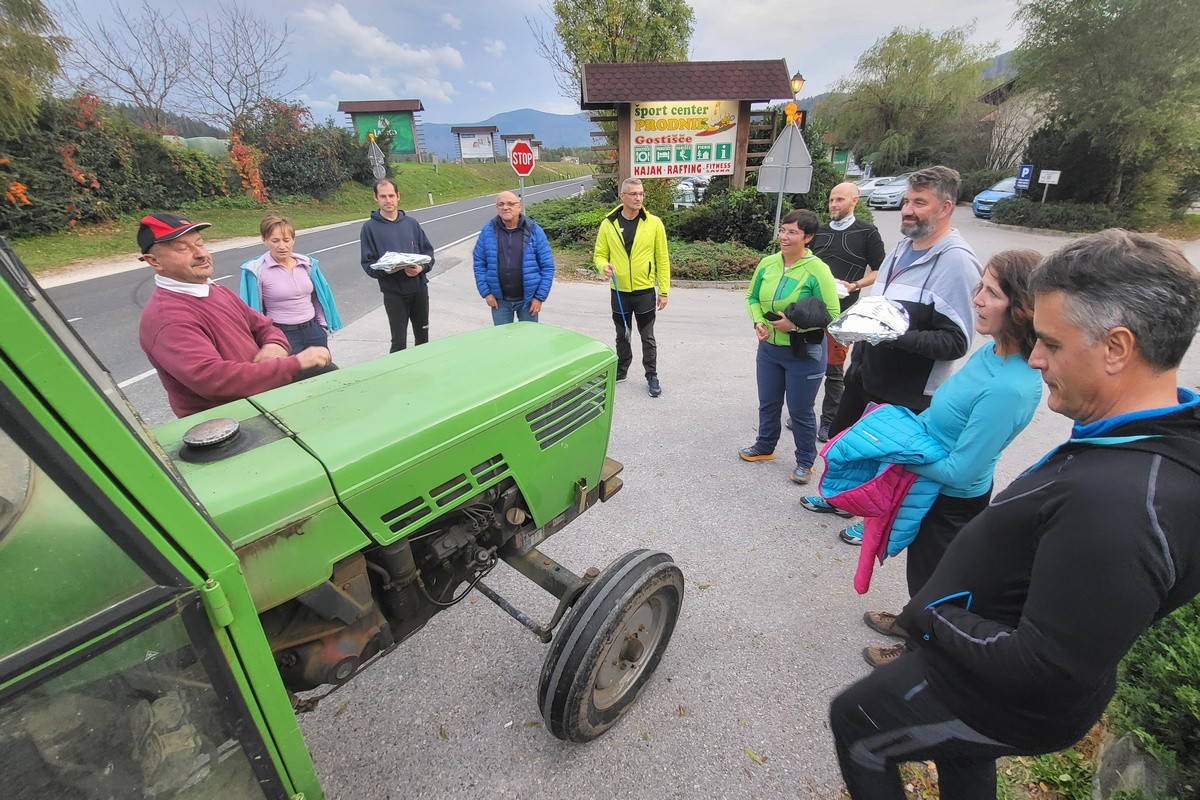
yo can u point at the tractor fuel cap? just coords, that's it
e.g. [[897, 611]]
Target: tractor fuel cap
[[211, 433]]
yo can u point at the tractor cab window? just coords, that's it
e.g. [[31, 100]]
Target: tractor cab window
[[112, 682]]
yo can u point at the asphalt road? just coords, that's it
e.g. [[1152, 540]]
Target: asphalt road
[[770, 629], [105, 310]]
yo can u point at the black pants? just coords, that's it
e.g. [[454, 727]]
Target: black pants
[[404, 307], [854, 400], [834, 388], [892, 716], [945, 519], [641, 305]]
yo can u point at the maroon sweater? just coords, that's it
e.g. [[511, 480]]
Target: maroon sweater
[[203, 347]]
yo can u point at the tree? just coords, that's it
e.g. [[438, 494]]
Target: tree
[[140, 60], [611, 32], [245, 59], [907, 90], [29, 49], [1124, 74]]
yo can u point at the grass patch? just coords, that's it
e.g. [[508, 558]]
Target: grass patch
[[231, 218], [1185, 229]]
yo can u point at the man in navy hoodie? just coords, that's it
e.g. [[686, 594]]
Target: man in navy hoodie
[[405, 291], [1019, 631]]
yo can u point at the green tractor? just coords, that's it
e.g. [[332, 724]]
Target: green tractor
[[170, 599]]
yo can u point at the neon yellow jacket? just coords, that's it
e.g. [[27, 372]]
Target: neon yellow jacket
[[648, 263]]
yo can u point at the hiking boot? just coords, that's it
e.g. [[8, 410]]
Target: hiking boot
[[802, 476], [882, 656], [814, 502], [752, 453], [852, 535], [823, 432], [653, 386], [885, 623]]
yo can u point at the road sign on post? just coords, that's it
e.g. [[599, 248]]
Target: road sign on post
[[520, 155], [1024, 176], [1047, 177], [787, 167]]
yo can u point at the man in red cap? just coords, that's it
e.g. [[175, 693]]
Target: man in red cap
[[208, 346]]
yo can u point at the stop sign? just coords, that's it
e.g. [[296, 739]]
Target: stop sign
[[521, 158]]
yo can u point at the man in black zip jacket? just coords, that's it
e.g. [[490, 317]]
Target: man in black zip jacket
[[405, 291], [1019, 631]]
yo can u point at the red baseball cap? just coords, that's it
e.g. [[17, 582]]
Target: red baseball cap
[[157, 228]]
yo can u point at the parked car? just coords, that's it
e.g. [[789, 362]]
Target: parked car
[[891, 194], [868, 185], [982, 205]]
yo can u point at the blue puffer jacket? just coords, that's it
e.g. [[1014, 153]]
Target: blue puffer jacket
[[537, 262], [857, 476]]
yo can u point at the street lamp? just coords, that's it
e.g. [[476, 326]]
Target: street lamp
[[797, 83]]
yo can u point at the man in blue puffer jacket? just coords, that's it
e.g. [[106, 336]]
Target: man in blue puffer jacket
[[514, 267]]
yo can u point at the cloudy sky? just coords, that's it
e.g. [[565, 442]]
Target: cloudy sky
[[467, 60]]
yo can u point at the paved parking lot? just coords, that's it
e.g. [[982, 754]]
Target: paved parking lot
[[770, 628]]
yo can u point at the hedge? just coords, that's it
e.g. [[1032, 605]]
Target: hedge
[[1056, 216], [713, 261], [1158, 694], [85, 164]]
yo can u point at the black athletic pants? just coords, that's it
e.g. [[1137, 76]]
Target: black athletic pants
[[404, 307], [945, 519], [641, 305], [892, 716]]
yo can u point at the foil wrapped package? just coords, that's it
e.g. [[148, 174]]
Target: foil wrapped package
[[872, 319], [392, 261]]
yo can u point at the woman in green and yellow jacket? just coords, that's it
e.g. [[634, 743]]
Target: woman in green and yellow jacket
[[792, 297]]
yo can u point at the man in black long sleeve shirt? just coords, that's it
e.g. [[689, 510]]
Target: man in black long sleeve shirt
[[1021, 627]]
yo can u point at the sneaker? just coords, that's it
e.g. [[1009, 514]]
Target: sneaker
[[882, 656], [621, 376], [653, 386], [884, 622], [787, 421], [802, 476], [814, 502], [852, 535], [752, 453], [823, 432]]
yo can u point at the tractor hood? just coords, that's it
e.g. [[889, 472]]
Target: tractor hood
[[381, 436]]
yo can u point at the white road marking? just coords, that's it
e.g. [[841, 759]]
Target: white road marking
[[137, 378], [74, 319]]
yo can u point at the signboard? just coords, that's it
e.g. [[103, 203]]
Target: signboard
[[521, 158], [393, 130], [1024, 176], [1049, 176], [476, 145], [685, 137]]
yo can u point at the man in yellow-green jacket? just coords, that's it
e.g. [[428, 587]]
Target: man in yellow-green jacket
[[631, 251]]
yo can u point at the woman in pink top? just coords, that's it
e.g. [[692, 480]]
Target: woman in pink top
[[289, 288]]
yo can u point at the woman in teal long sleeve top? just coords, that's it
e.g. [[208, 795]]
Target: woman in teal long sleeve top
[[975, 414], [791, 357]]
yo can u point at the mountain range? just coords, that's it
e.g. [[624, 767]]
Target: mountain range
[[552, 130]]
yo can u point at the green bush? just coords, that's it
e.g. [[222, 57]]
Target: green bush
[[298, 157], [710, 261], [739, 215], [1158, 693], [975, 182], [1056, 216], [86, 163], [570, 220]]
